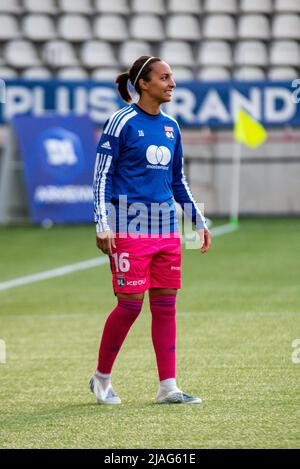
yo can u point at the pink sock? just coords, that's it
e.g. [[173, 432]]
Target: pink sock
[[163, 309], [115, 330]]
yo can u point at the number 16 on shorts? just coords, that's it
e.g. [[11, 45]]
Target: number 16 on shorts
[[121, 261]]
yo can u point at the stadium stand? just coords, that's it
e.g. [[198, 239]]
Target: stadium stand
[[219, 6], [8, 28], [21, 54], [213, 74], [249, 73], [232, 37], [111, 28], [188, 6], [214, 53], [7, 73], [105, 74], [156, 7], [75, 6], [36, 73], [10, 6], [256, 6], [287, 5], [38, 28], [58, 54], [130, 50], [77, 73], [117, 6], [97, 54], [36, 6], [250, 53], [253, 27], [185, 27], [147, 28]]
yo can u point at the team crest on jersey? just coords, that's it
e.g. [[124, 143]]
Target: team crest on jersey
[[121, 280], [169, 132]]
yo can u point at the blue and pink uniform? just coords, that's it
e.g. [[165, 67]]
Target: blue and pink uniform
[[138, 174]]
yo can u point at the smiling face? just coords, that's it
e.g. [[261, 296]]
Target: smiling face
[[161, 84]]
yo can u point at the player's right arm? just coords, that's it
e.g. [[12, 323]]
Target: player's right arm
[[107, 155]]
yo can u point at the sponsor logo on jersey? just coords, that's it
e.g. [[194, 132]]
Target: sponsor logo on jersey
[[141, 133], [106, 145], [169, 132], [158, 157]]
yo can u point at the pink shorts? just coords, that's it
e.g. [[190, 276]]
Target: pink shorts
[[140, 263]]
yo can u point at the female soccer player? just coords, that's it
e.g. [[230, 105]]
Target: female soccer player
[[138, 174]]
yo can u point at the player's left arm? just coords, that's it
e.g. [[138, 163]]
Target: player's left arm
[[183, 195]]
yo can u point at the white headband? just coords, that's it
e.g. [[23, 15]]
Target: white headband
[[141, 69]]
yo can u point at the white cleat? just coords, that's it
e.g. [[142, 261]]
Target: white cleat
[[103, 396], [178, 397]]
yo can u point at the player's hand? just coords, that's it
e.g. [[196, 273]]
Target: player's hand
[[205, 237], [106, 242]]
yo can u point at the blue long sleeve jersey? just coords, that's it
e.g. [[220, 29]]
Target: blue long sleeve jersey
[[139, 173]]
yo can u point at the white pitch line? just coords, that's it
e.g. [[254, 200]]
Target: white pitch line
[[67, 269], [222, 229], [217, 231]]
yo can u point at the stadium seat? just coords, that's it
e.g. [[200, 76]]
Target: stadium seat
[[97, 54], [183, 27], [182, 74], [36, 6], [220, 6], [214, 53], [282, 73], [74, 28], [219, 27], [75, 6], [38, 28], [10, 6], [129, 51], [105, 74], [6, 73], [59, 54], [21, 54], [286, 26], [77, 73], [285, 53], [253, 27], [249, 73], [111, 28], [146, 28], [115, 6], [155, 7], [177, 53], [8, 28], [37, 73], [251, 53], [213, 74], [287, 6], [256, 6], [186, 6]]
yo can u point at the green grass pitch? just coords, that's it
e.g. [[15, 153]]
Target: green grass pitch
[[238, 314]]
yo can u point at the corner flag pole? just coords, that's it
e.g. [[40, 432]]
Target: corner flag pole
[[252, 134]]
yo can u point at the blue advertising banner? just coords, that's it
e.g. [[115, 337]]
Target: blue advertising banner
[[59, 156], [194, 104]]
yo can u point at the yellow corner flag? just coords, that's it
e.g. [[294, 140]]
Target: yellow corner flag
[[248, 131]]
